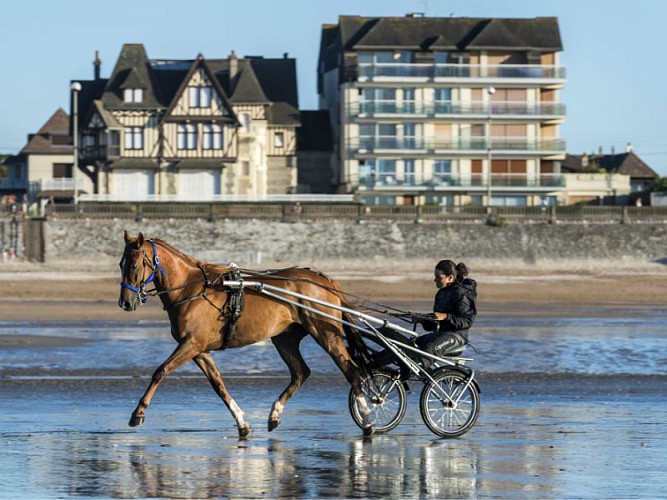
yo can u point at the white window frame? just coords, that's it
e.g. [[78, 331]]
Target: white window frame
[[200, 97], [211, 136], [133, 95], [134, 138], [279, 139]]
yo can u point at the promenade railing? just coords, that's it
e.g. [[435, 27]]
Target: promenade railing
[[359, 212]]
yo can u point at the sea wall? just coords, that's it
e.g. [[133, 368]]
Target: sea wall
[[306, 242]]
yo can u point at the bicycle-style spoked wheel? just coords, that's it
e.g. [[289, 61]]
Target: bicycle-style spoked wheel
[[385, 398], [449, 404]]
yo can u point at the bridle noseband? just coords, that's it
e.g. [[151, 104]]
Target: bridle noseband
[[141, 289]]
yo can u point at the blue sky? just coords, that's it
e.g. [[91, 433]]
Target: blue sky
[[615, 90]]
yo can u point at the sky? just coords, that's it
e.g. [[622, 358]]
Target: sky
[[613, 51]]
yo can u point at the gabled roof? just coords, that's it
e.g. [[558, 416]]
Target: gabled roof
[[52, 138], [270, 82], [624, 163], [198, 64], [132, 70]]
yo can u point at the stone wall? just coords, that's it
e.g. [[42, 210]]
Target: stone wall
[[304, 243]]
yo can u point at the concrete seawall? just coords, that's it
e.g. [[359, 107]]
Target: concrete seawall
[[252, 242]]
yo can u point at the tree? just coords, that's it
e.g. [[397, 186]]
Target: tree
[[659, 185]]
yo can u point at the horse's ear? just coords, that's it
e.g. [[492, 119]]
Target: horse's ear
[[140, 240], [128, 236]]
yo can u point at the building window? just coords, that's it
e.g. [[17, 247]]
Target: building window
[[245, 168], [134, 138], [62, 170], [200, 97], [244, 118], [212, 136], [377, 172], [133, 95], [409, 175], [187, 136], [442, 171], [279, 139]]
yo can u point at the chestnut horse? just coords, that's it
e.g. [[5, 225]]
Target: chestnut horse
[[191, 292]]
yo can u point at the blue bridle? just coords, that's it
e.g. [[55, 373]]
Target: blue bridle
[[140, 291]]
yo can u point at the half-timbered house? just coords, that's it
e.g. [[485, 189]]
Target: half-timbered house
[[190, 130]]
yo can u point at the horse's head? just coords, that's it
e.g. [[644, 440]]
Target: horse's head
[[138, 266]]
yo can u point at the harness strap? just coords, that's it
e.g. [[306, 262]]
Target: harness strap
[[233, 307]]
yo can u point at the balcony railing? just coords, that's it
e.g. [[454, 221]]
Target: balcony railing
[[434, 108], [61, 184], [100, 152], [432, 71], [429, 144], [440, 182]]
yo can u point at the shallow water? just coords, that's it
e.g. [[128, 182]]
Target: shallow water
[[576, 410]]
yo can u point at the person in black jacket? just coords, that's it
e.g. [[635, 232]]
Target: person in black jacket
[[454, 311]]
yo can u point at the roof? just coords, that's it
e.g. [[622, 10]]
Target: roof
[[254, 81], [356, 33], [624, 163], [455, 33], [52, 138]]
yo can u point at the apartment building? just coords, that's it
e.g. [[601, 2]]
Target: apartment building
[[188, 130], [452, 111]]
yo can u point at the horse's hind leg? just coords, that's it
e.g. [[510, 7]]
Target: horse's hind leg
[[181, 355], [207, 364], [332, 342], [287, 345]]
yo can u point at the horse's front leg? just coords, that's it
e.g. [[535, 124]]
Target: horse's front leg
[[207, 365], [181, 355]]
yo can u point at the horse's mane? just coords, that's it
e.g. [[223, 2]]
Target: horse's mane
[[184, 256]]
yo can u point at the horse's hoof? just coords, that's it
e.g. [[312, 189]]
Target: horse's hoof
[[369, 431], [273, 423], [244, 431], [136, 421]]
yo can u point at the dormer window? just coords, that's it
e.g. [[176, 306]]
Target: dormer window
[[133, 95], [200, 97]]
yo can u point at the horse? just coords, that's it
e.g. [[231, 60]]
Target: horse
[[198, 305]]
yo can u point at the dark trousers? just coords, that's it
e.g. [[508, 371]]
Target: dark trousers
[[441, 344]]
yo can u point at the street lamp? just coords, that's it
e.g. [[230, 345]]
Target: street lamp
[[76, 88], [490, 91]]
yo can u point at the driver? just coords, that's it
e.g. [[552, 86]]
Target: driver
[[454, 311]]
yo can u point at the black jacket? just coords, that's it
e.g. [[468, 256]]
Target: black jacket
[[459, 302]]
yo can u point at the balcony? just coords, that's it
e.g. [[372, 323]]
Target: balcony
[[412, 145], [389, 181], [447, 108], [61, 184], [100, 152], [441, 72]]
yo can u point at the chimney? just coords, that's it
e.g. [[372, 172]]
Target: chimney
[[628, 148], [613, 150], [97, 64], [233, 65]]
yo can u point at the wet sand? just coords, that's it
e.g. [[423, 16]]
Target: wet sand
[[69, 438], [538, 436]]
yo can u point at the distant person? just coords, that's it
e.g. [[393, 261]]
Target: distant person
[[454, 311], [638, 203]]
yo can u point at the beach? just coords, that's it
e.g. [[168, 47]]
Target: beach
[[570, 360]]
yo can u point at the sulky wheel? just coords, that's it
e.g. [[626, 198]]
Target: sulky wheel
[[449, 404], [385, 398]]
